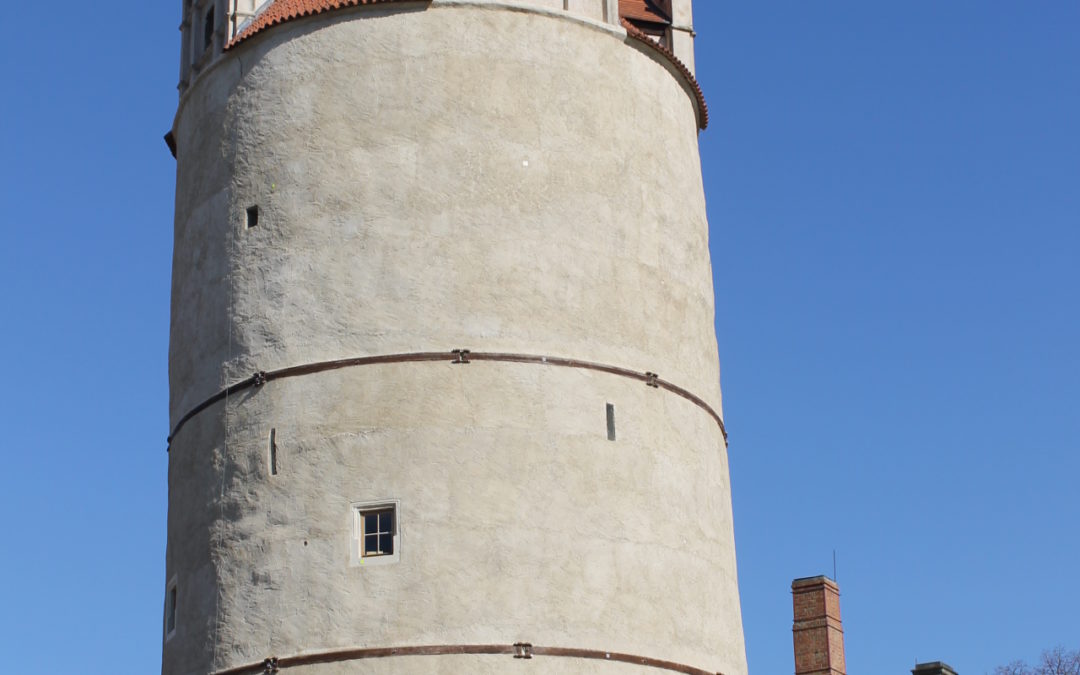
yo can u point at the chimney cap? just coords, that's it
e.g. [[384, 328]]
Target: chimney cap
[[809, 582], [933, 668]]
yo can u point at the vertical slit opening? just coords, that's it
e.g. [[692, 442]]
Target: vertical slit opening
[[170, 610], [610, 421], [252, 217], [273, 452]]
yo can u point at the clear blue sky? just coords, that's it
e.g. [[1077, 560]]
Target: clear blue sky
[[894, 193]]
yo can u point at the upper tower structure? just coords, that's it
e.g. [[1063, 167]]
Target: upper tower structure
[[443, 373]]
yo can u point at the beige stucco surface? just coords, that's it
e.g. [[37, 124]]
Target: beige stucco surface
[[430, 178]]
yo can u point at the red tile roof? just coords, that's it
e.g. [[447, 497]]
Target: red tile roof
[[281, 11], [699, 95], [652, 11]]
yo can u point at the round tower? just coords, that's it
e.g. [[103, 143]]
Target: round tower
[[443, 374]]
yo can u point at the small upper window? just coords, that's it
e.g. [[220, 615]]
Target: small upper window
[[652, 17], [658, 33], [208, 29], [375, 533]]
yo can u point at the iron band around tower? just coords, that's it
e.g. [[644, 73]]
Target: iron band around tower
[[457, 356], [519, 650]]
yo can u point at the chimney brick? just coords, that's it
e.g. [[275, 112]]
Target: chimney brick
[[817, 631]]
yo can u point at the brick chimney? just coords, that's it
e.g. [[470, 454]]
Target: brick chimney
[[817, 632], [933, 668]]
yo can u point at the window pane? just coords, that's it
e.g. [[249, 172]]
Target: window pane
[[371, 523], [371, 544], [387, 522], [387, 543]]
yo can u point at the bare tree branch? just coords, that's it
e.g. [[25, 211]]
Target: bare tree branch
[[1056, 661]]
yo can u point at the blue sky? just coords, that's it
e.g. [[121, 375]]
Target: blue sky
[[893, 193]]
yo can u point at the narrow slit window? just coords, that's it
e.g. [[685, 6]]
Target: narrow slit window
[[170, 610], [252, 219], [273, 452], [610, 421]]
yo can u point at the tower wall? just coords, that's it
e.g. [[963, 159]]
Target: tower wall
[[431, 177]]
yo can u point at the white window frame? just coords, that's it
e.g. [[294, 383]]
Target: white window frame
[[357, 511]]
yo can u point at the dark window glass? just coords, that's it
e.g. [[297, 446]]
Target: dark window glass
[[208, 29], [371, 544], [378, 534]]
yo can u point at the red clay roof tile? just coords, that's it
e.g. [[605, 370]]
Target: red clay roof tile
[[653, 11], [281, 11], [699, 95]]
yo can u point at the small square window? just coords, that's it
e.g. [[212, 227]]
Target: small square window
[[375, 533]]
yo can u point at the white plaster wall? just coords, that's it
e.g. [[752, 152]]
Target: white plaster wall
[[559, 162], [518, 519], [428, 179]]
